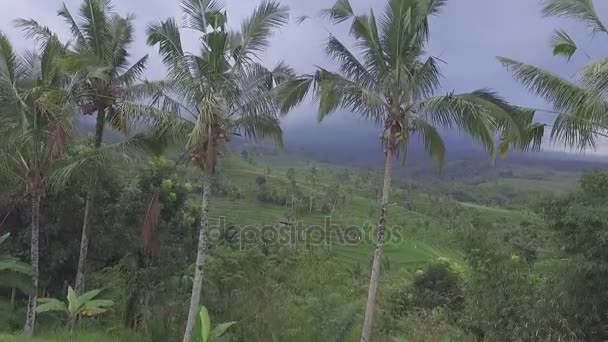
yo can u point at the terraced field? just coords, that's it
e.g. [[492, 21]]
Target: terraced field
[[412, 244]]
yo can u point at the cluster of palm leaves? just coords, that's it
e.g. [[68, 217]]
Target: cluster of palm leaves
[[579, 104], [223, 90]]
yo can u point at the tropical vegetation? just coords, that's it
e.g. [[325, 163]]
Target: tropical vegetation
[[151, 206]]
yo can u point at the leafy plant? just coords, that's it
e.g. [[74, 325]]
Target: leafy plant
[[209, 333], [86, 304], [14, 273]]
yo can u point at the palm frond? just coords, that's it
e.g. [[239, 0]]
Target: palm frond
[[335, 91], [594, 76], [463, 113], [365, 30], [349, 64], [166, 34], [433, 143], [294, 91], [514, 125], [120, 34], [95, 26], [302, 19], [33, 30], [256, 30], [282, 73], [88, 161], [339, 12], [565, 96], [195, 13], [582, 10], [131, 75], [425, 79], [259, 127], [563, 45], [8, 62], [399, 26], [88, 66], [574, 130], [64, 12], [147, 90]]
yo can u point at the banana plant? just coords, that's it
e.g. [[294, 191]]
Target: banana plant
[[83, 305], [13, 272], [207, 333]]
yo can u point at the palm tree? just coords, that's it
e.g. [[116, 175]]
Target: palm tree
[[394, 85], [99, 59], [214, 94], [291, 177], [580, 104], [36, 112], [313, 180]]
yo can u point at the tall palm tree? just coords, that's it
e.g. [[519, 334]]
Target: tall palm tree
[[36, 113], [579, 104], [392, 81], [100, 60], [218, 92]]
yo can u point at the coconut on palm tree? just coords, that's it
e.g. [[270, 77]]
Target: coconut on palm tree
[[579, 104], [36, 112], [391, 80], [105, 81], [215, 93]]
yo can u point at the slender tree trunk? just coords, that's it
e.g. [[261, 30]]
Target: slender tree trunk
[[90, 203], [200, 259], [333, 207], [84, 240], [30, 318], [375, 276], [79, 283], [13, 295], [310, 204]]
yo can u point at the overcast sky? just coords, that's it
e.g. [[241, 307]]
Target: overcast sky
[[468, 36]]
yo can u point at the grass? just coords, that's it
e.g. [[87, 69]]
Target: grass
[[77, 336], [424, 236]]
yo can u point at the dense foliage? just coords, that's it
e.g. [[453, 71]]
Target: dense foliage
[[182, 222]]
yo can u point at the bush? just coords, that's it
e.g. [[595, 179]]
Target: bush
[[438, 285], [260, 180]]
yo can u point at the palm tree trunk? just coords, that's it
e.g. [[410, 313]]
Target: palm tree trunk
[[30, 319], [375, 276], [200, 258], [310, 204], [84, 241], [90, 202], [13, 295], [79, 283]]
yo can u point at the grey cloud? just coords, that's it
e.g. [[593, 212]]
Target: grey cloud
[[468, 36]]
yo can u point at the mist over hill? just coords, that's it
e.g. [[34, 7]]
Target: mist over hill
[[343, 140]]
